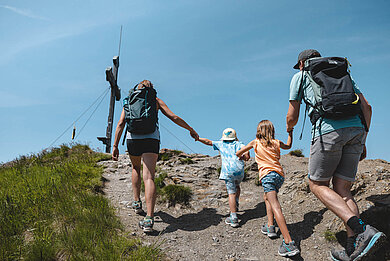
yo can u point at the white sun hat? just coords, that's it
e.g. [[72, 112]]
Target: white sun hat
[[229, 134]]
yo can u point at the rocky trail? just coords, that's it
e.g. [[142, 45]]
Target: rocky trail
[[198, 231]]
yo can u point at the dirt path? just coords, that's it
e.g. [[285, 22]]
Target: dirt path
[[198, 232]]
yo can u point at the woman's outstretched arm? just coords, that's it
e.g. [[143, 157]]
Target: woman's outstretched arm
[[176, 119]]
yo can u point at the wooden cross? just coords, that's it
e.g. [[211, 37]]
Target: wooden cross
[[111, 77]]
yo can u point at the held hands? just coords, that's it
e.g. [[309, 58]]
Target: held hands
[[115, 153], [194, 134], [245, 157]]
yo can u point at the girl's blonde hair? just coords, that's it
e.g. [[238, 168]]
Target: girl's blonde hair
[[265, 132]]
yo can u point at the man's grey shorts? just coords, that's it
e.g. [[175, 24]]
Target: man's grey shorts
[[336, 154]]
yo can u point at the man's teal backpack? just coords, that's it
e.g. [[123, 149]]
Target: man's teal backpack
[[141, 110]]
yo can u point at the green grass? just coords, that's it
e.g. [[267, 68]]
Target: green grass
[[296, 153], [330, 236], [51, 208], [176, 194], [186, 161], [158, 181], [169, 154], [177, 152], [169, 193]]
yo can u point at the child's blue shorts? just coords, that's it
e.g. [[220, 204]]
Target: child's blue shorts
[[273, 181], [232, 184]]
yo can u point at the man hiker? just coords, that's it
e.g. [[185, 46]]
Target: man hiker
[[338, 143]]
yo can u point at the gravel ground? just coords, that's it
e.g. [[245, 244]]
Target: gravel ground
[[198, 231]]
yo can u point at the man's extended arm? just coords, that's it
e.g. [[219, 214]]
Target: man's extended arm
[[292, 115]]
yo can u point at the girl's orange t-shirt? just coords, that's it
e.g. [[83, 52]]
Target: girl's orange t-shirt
[[267, 158]]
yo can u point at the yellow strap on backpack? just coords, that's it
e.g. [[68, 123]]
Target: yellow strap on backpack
[[357, 99]]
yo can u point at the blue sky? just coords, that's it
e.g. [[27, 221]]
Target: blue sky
[[217, 64]]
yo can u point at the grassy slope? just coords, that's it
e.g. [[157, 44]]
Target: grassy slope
[[51, 208]]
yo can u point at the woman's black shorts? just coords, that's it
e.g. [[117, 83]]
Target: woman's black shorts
[[137, 147]]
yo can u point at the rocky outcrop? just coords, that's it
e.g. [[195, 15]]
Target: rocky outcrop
[[198, 231]]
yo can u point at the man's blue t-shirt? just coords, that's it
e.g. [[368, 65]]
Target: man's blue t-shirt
[[327, 125], [232, 167]]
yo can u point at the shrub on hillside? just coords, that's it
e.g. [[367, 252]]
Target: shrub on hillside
[[158, 181], [177, 194], [186, 161], [296, 153], [166, 154]]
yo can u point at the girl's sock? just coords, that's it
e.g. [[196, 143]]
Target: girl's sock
[[233, 215]]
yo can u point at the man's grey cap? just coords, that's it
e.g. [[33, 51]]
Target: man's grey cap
[[306, 54]]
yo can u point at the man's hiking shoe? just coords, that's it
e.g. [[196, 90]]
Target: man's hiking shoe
[[367, 242], [269, 231], [339, 255], [288, 249], [137, 206], [233, 222], [146, 224]]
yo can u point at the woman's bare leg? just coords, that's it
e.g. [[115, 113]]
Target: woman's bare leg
[[149, 169]]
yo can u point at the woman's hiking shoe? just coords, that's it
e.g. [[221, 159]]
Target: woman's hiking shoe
[[137, 206], [147, 224], [233, 222], [289, 249], [339, 255], [269, 231], [367, 242]]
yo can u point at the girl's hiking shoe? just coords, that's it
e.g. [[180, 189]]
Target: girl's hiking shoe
[[137, 206], [269, 231], [147, 224], [367, 242], [289, 249], [233, 222]]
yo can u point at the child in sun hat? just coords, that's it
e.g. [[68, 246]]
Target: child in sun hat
[[271, 176], [232, 169]]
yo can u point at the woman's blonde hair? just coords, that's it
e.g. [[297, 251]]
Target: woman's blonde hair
[[145, 83], [265, 132]]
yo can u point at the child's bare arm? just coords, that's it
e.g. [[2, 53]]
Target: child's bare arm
[[288, 145], [206, 141], [246, 156], [245, 149]]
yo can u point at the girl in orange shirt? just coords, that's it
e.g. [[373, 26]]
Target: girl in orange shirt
[[271, 176]]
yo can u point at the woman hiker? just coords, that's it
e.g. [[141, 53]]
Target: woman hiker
[[143, 142]]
